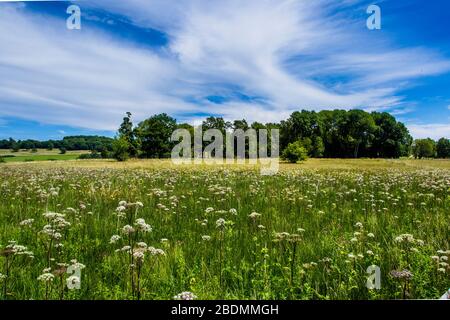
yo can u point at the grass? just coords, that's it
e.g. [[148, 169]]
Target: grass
[[40, 155], [309, 232]]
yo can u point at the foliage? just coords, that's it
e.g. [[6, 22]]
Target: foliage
[[120, 149], [424, 148], [154, 136], [443, 148], [295, 152]]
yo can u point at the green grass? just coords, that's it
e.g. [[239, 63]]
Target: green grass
[[30, 158], [40, 155], [320, 225]]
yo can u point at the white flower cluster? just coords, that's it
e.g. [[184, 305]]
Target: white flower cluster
[[142, 226], [46, 277], [26, 223], [18, 250], [254, 215], [220, 223], [185, 296]]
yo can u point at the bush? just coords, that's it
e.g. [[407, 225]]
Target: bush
[[2, 160], [62, 150], [120, 149], [295, 152]]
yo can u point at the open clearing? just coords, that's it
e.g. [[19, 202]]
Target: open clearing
[[146, 229]]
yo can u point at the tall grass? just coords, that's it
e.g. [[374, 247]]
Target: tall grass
[[226, 233]]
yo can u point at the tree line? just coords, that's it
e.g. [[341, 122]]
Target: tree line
[[328, 134], [92, 143]]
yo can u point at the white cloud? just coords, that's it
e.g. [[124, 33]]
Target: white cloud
[[270, 49], [434, 130]]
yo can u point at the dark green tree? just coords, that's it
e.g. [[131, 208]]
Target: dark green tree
[[443, 148], [154, 135]]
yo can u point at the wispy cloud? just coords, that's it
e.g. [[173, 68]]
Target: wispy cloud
[[433, 130], [282, 52]]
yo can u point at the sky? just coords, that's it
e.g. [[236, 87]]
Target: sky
[[258, 60]]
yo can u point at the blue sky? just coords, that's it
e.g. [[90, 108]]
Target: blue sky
[[254, 59]]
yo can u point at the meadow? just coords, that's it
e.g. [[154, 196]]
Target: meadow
[[38, 155], [147, 229]]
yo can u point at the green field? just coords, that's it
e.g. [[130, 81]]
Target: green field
[[40, 155], [309, 232]]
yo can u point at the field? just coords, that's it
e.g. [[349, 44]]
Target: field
[[151, 230], [39, 155]]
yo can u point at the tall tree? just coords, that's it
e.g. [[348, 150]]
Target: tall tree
[[128, 135]]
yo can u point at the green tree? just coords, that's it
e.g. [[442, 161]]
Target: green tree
[[154, 135], [424, 148], [127, 133], [295, 152], [443, 148], [120, 149]]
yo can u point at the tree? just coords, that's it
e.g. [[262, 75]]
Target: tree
[[127, 133], [62, 150], [50, 146], [15, 147], [443, 148], [120, 149], [154, 135], [424, 148], [295, 152]]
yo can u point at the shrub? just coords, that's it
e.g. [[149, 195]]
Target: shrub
[[295, 152], [120, 149]]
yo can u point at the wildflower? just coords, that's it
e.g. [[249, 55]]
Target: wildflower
[[206, 238], [76, 265], [139, 204], [371, 235], [2, 277], [142, 226], [220, 223], [353, 240], [233, 211], [122, 203], [359, 225], [142, 245], [26, 223], [369, 252], [156, 252], [139, 256], [121, 209], [185, 296], [254, 215], [114, 239], [208, 210], [404, 275], [46, 277], [127, 229]]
